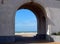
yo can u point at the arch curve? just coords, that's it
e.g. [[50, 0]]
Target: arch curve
[[35, 7], [40, 14]]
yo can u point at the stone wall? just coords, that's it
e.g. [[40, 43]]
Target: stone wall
[[9, 8]]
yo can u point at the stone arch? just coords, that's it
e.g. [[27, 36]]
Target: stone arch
[[40, 14]]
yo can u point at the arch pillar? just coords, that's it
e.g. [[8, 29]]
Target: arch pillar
[[41, 28], [41, 18]]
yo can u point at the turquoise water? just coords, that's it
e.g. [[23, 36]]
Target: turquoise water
[[25, 31]]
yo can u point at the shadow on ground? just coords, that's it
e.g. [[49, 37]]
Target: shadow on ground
[[29, 40], [34, 39]]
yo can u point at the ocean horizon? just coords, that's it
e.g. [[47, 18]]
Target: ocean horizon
[[25, 31]]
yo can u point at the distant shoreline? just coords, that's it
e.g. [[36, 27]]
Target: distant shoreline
[[26, 34]]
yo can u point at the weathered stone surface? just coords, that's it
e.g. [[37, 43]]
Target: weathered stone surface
[[9, 8]]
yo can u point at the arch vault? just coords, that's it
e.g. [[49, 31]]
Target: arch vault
[[40, 14]]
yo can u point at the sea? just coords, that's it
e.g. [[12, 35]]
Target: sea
[[26, 32]]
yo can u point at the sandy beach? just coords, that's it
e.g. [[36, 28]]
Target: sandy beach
[[27, 34], [32, 41]]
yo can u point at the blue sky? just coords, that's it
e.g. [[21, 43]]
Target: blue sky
[[25, 20]]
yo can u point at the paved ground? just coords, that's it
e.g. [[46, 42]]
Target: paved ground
[[30, 40]]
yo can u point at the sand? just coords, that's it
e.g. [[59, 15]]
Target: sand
[[31, 35], [26, 34]]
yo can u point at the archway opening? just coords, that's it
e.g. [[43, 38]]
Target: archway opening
[[25, 23], [40, 14]]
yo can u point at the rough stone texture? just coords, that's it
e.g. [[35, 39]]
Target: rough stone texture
[[9, 8]]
